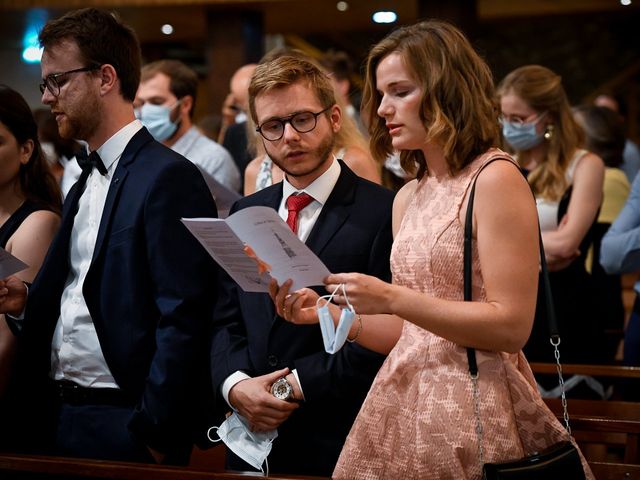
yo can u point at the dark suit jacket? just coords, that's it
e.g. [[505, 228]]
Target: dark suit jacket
[[352, 234], [150, 290]]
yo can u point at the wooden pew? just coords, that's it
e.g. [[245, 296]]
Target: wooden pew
[[615, 471], [609, 371], [35, 467], [611, 423], [602, 428], [20, 467]]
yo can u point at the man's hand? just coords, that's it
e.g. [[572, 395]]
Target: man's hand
[[255, 402], [13, 296]]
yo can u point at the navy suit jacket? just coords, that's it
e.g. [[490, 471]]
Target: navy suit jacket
[[150, 291], [352, 234]]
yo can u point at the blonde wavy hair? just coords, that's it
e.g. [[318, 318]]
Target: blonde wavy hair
[[459, 111], [542, 90]]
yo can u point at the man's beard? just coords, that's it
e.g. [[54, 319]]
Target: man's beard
[[82, 126], [322, 153]]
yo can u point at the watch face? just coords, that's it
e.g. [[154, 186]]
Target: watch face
[[282, 389]]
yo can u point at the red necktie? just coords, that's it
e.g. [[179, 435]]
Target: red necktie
[[295, 203]]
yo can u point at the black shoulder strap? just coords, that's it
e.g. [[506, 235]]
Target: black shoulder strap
[[544, 278]]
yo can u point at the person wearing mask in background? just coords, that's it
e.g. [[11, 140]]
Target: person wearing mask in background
[[631, 154], [604, 131], [567, 181], [620, 254], [165, 103], [114, 337], [341, 71], [30, 204], [340, 68], [233, 134], [343, 219]]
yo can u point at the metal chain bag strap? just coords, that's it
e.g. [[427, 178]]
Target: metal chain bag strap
[[560, 460]]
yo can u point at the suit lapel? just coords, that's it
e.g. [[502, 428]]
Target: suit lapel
[[335, 211], [141, 138]]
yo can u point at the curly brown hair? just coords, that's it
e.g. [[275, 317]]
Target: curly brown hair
[[459, 111]]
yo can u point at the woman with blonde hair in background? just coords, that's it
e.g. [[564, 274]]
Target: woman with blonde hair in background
[[567, 181]]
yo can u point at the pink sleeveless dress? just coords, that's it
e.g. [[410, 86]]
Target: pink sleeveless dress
[[418, 419]]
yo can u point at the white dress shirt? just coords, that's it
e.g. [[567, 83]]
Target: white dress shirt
[[319, 189], [76, 354]]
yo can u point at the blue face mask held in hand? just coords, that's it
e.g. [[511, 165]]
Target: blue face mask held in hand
[[333, 337], [252, 447]]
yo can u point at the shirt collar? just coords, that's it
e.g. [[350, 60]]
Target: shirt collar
[[112, 149], [320, 188]]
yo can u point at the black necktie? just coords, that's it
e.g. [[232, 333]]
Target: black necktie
[[93, 160], [86, 163]]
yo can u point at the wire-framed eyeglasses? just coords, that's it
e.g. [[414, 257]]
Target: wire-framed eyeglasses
[[519, 122], [51, 82], [302, 122]]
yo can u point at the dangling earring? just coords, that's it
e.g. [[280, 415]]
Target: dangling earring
[[548, 132]]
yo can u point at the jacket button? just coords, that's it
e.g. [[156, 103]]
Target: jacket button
[[273, 360]]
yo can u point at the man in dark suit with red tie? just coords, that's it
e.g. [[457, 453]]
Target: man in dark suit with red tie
[[115, 330], [343, 219]]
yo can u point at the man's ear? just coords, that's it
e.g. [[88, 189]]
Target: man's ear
[[108, 78], [336, 118], [186, 105]]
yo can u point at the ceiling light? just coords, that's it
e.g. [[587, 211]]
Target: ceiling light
[[384, 17], [31, 51], [167, 29], [342, 6], [32, 54], [625, 2]]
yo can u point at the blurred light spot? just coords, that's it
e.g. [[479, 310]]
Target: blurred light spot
[[385, 17]]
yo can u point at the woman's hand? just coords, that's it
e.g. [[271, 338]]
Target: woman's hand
[[297, 307], [367, 295]]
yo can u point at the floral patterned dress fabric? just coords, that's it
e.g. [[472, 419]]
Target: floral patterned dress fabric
[[418, 419]]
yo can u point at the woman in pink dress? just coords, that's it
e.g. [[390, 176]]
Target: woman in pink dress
[[430, 96]]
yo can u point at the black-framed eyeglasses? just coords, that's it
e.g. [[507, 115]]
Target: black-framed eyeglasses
[[51, 83], [302, 122]]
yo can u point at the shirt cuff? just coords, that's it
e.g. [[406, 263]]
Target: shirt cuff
[[229, 383], [295, 374], [15, 321]]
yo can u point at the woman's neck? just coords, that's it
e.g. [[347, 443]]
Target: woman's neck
[[437, 165], [534, 157]]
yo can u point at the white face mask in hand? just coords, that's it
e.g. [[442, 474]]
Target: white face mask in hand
[[333, 337], [252, 447]]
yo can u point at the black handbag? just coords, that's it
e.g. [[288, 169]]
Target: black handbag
[[560, 460]]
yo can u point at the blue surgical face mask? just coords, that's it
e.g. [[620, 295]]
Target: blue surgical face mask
[[252, 447], [157, 119], [522, 136], [332, 336]]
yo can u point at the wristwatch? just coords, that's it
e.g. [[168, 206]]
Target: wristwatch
[[282, 389]]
